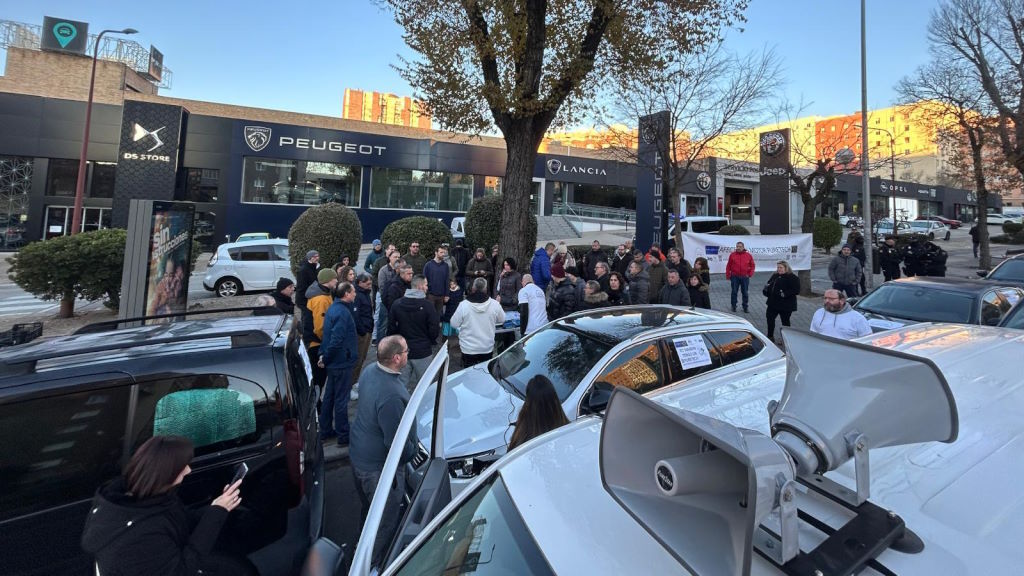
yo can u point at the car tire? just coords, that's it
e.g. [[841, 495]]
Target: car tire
[[228, 286], [931, 235]]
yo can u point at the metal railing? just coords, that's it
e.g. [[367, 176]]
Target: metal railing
[[593, 211]]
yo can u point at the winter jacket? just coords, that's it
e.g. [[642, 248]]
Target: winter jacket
[[283, 303], [395, 290], [155, 536], [563, 300], [371, 259], [437, 276], [705, 277], [476, 319], [676, 295], [540, 268], [657, 277], [603, 281], [620, 264], [507, 290], [782, 291], [454, 299], [844, 270], [305, 278], [683, 268], [364, 312], [340, 347], [382, 401], [740, 264], [318, 300], [380, 264], [461, 257], [974, 234], [417, 261], [595, 300], [416, 320], [699, 296], [385, 276], [639, 287], [618, 298], [845, 324], [858, 252], [590, 263], [479, 269], [889, 256]]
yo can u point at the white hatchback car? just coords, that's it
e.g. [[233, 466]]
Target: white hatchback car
[[904, 461], [245, 266]]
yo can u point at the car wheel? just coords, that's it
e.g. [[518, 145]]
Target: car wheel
[[931, 235], [228, 287]]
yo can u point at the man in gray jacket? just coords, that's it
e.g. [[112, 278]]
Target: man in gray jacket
[[845, 271]]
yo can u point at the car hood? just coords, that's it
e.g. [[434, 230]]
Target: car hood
[[881, 323], [478, 411]]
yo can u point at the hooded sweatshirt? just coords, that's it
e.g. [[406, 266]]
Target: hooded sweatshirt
[[845, 324], [417, 321], [844, 269], [476, 319], [155, 536]]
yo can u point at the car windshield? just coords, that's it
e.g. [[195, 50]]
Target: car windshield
[[561, 353], [926, 224], [1015, 319], [1009, 270], [918, 303]]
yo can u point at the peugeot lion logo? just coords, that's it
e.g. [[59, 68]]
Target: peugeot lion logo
[[257, 137], [554, 165], [138, 133], [772, 143]]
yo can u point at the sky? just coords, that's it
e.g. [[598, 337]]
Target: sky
[[301, 55]]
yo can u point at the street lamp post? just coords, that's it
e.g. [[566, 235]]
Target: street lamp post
[[865, 176], [892, 164], [76, 215]]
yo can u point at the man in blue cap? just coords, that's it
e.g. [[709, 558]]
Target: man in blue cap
[[377, 252]]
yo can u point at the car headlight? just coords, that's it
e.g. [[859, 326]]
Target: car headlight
[[470, 466]]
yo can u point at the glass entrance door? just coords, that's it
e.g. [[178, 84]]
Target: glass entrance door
[[56, 222], [537, 197]]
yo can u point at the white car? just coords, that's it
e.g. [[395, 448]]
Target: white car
[[884, 229], [248, 266], [930, 228], [650, 349], [1001, 219], [895, 454], [459, 227]]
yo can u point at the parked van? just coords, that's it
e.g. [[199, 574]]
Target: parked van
[[458, 227], [698, 224]]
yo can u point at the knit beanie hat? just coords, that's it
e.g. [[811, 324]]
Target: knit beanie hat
[[326, 275], [283, 283], [557, 270]]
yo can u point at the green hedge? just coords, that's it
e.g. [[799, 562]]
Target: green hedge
[[1017, 238], [826, 233], [331, 229], [429, 232], [1012, 228], [733, 230], [484, 223]]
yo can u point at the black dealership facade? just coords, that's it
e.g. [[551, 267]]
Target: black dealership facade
[[254, 175]]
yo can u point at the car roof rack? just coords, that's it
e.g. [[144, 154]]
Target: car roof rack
[[107, 325]]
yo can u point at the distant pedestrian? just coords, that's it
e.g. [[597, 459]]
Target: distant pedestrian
[[451, 304], [541, 412], [674, 292], [506, 288], [306, 277], [417, 321], [339, 353], [845, 271], [563, 295], [480, 267], [371, 258], [345, 273], [461, 257], [572, 276], [700, 266], [781, 291], [477, 319], [437, 273], [621, 260], [738, 270], [601, 275], [975, 238], [397, 288], [699, 296], [364, 322], [540, 266], [838, 319], [591, 259], [639, 283], [533, 312], [282, 295], [563, 256], [415, 259], [889, 257], [593, 296], [385, 272], [858, 251], [494, 258], [657, 275], [319, 298], [677, 262], [617, 291]]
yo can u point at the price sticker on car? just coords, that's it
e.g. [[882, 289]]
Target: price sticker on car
[[692, 351], [305, 363]]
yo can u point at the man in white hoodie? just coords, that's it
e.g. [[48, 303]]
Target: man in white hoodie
[[476, 319], [838, 319]]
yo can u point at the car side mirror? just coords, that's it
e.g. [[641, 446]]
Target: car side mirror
[[598, 397], [982, 273]]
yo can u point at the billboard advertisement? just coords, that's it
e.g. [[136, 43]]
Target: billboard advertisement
[[170, 258], [156, 64], [63, 35]]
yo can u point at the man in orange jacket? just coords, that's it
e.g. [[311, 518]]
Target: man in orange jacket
[[738, 271]]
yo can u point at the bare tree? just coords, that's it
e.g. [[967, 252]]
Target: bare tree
[[988, 35], [707, 94]]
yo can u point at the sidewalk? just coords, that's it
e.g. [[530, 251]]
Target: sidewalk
[[720, 290]]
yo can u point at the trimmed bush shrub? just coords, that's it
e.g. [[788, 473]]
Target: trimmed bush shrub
[[1017, 238], [331, 229], [1012, 227], [483, 225], [826, 234], [86, 265], [735, 230], [429, 232]]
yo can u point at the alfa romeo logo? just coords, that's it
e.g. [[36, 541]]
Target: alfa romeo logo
[[703, 181], [772, 143], [257, 137], [648, 133], [554, 165]]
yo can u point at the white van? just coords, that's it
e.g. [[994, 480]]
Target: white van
[[458, 227], [698, 224]]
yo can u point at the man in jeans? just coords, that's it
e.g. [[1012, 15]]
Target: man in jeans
[[437, 272], [738, 271], [845, 271], [382, 402], [338, 354]]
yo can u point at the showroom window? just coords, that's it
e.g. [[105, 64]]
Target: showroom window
[[299, 182], [102, 183], [61, 177], [201, 185], [420, 190]]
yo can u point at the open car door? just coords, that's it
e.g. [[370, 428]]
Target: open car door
[[434, 490]]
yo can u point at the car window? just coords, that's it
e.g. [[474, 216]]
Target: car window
[[484, 535], [690, 355], [918, 303], [736, 346], [995, 304], [215, 411], [1015, 319], [255, 254], [638, 368], [280, 252], [708, 226], [1009, 270], [60, 449], [563, 355], [235, 253]]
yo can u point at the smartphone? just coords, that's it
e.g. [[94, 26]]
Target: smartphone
[[240, 471]]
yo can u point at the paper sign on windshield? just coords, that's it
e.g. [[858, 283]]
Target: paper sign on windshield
[[305, 363], [692, 351]]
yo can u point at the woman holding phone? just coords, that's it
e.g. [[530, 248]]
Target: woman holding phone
[[138, 525]]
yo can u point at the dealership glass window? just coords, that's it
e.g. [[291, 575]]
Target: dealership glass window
[[15, 186], [277, 181], [200, 185], [61, 177], [600, 195], [102, 183], [929, 208], [492, 185], [420, 190]]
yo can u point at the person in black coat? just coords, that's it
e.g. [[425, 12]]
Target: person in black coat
[[781, 290], [699, 296], [617, 291], [857, 249], [593, 297], [889, 257], [563, 295], [138, 525], [364, 320], [306, 277], [674, 292], [283, 296]]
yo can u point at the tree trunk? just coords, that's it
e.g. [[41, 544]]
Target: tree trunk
[[67, 307], [677, 209], [515, 211], [985, 254], [807, 227]]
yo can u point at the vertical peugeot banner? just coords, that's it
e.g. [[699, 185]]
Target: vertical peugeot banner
[[652, 150], [158, 258], [774, 181], [148, 156]]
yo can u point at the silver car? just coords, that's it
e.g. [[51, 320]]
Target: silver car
[[648, 349]]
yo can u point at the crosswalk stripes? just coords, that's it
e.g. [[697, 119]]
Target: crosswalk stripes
[[24, 304]]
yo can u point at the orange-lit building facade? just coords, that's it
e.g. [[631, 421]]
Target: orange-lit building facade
[[384, 109]]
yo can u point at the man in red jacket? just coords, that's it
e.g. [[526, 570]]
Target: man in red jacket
[[738, 271]]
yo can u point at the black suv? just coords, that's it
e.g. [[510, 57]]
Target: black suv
[[74, 408]]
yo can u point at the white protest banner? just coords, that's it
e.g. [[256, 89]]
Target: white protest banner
[[767, 250], [692, 351]]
